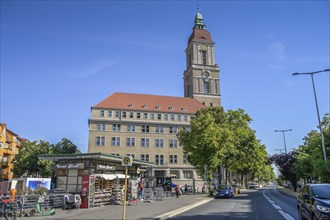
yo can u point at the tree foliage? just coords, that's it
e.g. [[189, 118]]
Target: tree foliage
[[307, 162], [65, 146], [285, 163], [223, 139], [27, 161], [310, 162]]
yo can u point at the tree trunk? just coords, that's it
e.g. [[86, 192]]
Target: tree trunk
[[219, 175]]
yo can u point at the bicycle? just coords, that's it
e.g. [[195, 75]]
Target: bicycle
[[8, 209]]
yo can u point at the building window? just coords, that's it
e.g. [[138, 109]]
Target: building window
[[173, 130], [145, 115], [206, 87], [204, 57], [100, 141], [159, 116], [145, 157], [187, 174], [130, 128], [159, 159], [138, 115], [152, 116], [124, 114], [211, 104], [159, 142], [116, 127], [179, 117], [173, 158], [185, 159], [115, 141], [172, 117], [173, 143], [185, 118], [109, 114], [145, 128], [166, 117], [131, 115], [145, 142], [101, 127], [130, 142], [132, 155], [101, 113], [117, 114], [159, 129]]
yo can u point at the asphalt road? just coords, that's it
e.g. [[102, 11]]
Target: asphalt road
[[260, 204]]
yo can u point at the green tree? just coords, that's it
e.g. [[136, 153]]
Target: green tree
[[204, 141], [65, 146], [222, 139], [310, 162], [27, 161]]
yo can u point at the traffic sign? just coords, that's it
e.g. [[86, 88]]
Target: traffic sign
[[127, 161]]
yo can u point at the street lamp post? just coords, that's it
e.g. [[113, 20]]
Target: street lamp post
[[317, 107], [284, 137]]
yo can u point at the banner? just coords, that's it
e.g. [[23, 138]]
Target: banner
[[35, 183]]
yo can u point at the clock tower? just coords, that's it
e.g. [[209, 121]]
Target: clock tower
[[201, 77]]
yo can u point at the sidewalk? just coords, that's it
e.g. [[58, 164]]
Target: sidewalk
[[164, 209], [288, 192]]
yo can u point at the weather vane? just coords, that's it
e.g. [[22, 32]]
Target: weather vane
[[198, 7]]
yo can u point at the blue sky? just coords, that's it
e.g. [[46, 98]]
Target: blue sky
[[59, 58]]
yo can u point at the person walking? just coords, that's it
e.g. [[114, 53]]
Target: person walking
[[177, 191], [141, 190]]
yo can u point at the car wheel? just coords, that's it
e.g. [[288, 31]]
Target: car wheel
[[314, 217]]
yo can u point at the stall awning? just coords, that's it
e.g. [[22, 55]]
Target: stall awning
[[111, 176]]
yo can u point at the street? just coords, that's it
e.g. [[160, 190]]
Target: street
[[260, 204]]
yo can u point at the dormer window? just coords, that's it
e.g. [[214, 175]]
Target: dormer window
[[183, 109], [170, 108], [158, 107], [144, 106], [130, 105]]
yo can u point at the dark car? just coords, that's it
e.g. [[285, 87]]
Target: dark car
[[225, 191], [313, 202]]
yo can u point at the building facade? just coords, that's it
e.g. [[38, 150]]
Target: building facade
[[9, 147], [146, 126]]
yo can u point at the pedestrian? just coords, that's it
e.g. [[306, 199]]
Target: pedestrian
[[186, 187], [141, 188], [177, 191]]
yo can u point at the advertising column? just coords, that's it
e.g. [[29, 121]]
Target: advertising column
[[84, 192]]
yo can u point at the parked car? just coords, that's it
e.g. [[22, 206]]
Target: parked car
[[252, 186], [225, 191], [313, 202]]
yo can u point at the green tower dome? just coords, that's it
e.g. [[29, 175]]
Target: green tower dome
[[199, 22]]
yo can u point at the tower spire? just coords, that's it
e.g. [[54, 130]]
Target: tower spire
[[199, 22]]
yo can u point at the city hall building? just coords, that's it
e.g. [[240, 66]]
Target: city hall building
[[146, 126]]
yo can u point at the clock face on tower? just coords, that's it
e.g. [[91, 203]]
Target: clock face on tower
[[205, 74]]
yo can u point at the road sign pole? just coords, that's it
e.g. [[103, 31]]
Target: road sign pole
[[125, 193]]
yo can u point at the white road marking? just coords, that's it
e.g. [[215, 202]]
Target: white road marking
[[278, 208]]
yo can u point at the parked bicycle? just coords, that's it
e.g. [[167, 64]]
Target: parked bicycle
[[8, 209]]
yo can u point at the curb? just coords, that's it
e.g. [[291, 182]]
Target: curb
[[181, 210], [286, 193]]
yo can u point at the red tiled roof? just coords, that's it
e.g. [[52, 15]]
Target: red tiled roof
[[137, 102], [200, 35]]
